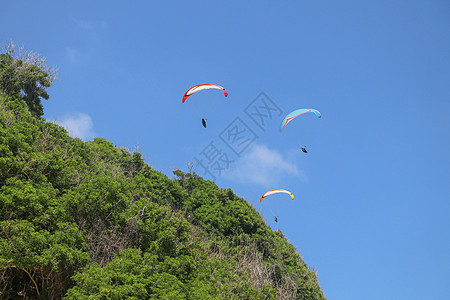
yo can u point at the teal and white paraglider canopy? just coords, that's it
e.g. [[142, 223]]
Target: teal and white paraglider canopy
[[297, 113]]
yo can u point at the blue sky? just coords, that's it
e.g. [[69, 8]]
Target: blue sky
[[371, 212]]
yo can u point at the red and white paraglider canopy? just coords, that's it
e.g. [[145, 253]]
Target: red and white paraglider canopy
[[201, 87]]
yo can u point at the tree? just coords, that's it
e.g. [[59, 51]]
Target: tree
[[24, 74]]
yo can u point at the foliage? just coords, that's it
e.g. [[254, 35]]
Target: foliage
[[25, 75], [88, 220]]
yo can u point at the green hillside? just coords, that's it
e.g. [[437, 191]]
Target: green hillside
[[88, 220]]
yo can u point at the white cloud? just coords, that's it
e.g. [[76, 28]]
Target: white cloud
[[78, 125], [264, 166], [89, 24], [90, 40], [72, 55]]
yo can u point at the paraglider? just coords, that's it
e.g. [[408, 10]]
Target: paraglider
[[304, 149], [271, 192], [297, 113], [201, 87]]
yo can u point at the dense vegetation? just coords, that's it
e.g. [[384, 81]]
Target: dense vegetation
[[88, 220]]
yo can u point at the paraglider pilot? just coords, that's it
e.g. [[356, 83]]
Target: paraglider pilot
[[304, 149], [275, 218], [204, 122]]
